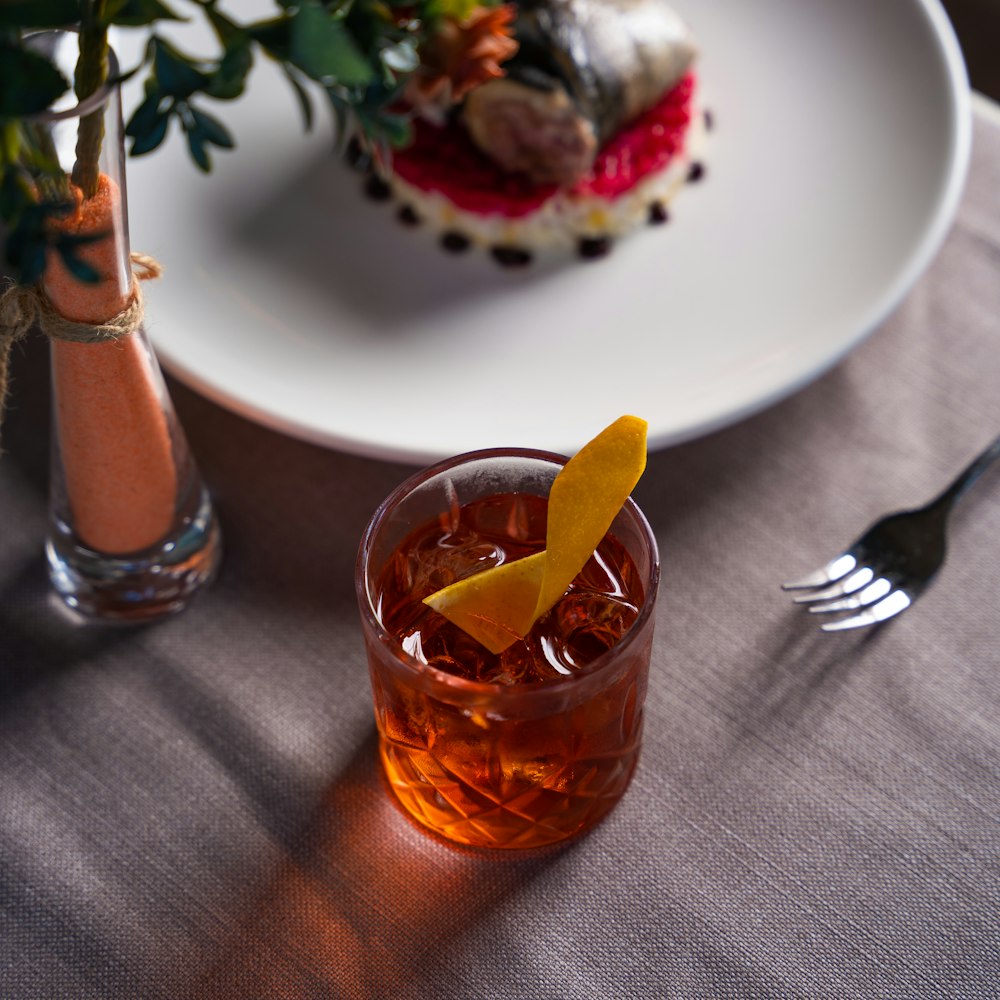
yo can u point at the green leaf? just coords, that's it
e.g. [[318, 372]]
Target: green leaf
[[305, 102], [73, 241], [29, 258], [146, 115], [149, 122], [29, 240], [274, 36], [195, 139], [27, 225], [29, 83], [457, 10], [324, 50], [211, 129], [196, 144], [148, 138], [226, 31], [11, 187], [175, 74], [10, 146], [135, 13], [38, 13], [78, 267], [123, 76], [229, 80], [396, 128]]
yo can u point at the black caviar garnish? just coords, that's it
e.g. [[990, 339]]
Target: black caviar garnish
[[455, 242], [658, 213], [511, 256], [377, 189], [591, 247], [709, 119], [408, 216], [696, 171]]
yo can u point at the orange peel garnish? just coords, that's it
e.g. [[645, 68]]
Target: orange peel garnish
[[499, 605]]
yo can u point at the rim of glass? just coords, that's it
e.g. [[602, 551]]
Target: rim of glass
[[420, 669], [89, 104]]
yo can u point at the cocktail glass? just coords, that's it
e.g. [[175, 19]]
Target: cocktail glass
[[526, 757]]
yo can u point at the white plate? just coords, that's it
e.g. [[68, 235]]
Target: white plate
[[838, 157]]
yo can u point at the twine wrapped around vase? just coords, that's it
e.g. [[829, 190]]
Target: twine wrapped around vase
[[24, 307]]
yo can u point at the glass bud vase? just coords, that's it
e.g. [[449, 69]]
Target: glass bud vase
[[133, 534]]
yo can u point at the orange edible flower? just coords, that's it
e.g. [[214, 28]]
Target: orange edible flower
[[461, 55]]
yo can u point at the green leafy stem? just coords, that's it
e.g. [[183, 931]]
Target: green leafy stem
[[356, 54]]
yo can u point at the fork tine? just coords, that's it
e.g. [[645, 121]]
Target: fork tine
[[849, 584], [875, 591], [897, 601], [833, 570]]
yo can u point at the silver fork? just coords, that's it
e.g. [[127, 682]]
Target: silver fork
[[892, 563]]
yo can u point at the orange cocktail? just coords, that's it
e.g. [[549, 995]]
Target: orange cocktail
[[525, 747]]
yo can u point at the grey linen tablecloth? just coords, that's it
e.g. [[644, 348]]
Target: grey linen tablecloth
[[195, 810]]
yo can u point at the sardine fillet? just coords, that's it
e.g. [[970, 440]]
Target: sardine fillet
[[584, 69]]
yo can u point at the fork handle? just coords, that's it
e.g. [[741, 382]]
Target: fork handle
[[970, 474]]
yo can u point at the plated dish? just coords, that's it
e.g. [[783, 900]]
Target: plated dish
[[546, 126], [837, 157]]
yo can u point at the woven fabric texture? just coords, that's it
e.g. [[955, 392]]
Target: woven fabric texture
[[195, 809]]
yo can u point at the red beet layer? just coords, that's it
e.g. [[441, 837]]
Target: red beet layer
[[444, 159]]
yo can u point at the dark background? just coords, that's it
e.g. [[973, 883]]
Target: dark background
[[977, 24]]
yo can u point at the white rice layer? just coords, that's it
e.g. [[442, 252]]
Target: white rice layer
[[564, 219]]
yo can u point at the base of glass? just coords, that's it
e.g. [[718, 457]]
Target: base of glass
[[140, 586], [489, 816]]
